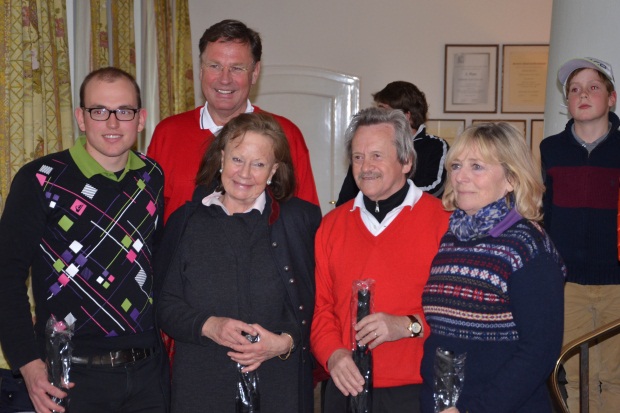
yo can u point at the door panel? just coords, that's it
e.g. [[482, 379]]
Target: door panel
[[321, 103]]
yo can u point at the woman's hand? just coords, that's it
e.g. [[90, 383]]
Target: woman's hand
[[378, 328], [252, 355], [450, 410], [227, 332]]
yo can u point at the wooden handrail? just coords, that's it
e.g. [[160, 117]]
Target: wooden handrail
[[582, 343]]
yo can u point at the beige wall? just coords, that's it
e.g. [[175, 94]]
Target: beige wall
[[379, 41]]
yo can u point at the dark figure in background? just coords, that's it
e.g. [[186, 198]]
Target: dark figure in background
[[430, 173], [241, 260]]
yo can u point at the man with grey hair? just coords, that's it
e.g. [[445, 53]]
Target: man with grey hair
[[389, 233]]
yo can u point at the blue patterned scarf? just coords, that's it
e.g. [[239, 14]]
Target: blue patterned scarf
[[468, 227]]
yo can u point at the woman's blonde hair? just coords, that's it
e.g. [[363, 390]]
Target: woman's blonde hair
[[504, 144]]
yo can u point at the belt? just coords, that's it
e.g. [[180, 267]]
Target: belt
[[115, 358]]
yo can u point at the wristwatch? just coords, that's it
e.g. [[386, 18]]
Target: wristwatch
[[415, 328]]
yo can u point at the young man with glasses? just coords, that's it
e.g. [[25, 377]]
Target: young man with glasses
[[230, 55], [83, 221]]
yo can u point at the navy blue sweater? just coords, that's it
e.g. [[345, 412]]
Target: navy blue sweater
[[500, 300], [581, 204]]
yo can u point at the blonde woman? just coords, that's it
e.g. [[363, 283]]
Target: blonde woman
[[495, 290]]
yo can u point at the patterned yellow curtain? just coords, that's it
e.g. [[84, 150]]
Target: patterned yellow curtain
[[35, 89], [99, 48], [176, 78], [113, 45], [123, 41]]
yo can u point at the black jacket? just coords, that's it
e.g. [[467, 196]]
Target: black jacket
[[292, 227]]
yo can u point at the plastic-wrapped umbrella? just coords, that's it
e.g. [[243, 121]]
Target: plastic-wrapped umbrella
[[248, 397], [59, 348], [362, 356], [449, 377]]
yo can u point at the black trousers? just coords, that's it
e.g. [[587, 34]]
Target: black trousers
[[13, 393], [137, 387], [384, 400]]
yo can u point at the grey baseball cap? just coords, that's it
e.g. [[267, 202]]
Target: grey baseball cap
[[584, 63]]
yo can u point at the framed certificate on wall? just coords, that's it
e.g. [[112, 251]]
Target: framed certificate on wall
[[537, 134], [447, 129], [524, 78], [470, 79]]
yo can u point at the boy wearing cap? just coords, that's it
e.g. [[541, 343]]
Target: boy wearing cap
[[581, 167]]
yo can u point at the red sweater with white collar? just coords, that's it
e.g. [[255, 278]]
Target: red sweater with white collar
[[178, 145], [398, 259]]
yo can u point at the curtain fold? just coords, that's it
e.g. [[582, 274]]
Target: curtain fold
[[123, 37], [99, 48], [163, 16], [183, 84], [176, 78]]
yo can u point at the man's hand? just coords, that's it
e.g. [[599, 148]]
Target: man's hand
[[345, 373], [39, 388], [378, 328]]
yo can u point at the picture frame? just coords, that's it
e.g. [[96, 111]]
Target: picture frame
[[524, 77], [520, 124], [447, 129], [470, 78], [537, 134]]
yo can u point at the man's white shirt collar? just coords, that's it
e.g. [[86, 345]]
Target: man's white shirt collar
[[375, 227], [206, 121]]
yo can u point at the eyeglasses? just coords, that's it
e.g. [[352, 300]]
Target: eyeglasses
[[217, 69], [103, 114]]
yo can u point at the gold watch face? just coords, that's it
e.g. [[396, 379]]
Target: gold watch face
[[415, 327]]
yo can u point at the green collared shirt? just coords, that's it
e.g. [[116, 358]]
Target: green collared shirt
[[90, 167]]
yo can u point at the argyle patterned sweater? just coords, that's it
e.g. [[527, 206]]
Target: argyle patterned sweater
[[88, 243], [500, 300]]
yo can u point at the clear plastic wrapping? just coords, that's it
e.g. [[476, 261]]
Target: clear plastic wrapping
[[449, 378], [248, 396], [362, 305], [59, 348]]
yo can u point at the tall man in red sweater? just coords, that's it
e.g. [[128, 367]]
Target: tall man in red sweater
[[230, 55], [390, 232]]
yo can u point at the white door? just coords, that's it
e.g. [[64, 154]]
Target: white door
[[321, 103]]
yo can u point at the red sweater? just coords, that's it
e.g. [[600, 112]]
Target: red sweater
[[398, 259], [178, 145]]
